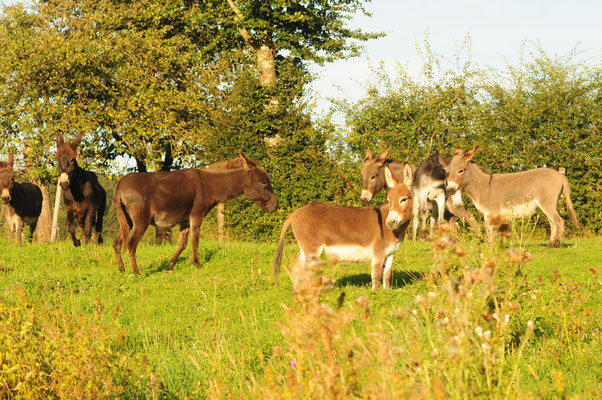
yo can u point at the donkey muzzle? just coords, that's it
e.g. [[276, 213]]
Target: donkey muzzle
[[64, 180], [451, 188], [393, 220], [366, 196], [6, 197]]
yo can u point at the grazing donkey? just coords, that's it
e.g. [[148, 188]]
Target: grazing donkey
[[428, 188], [21, 202], [353, 233], [85, 199], [510, 195], [183, 197]]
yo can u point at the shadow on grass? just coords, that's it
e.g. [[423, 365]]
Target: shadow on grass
[[398, 280], [204, 257]]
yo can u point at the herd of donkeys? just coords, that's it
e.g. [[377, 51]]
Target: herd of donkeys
[[184, 197]]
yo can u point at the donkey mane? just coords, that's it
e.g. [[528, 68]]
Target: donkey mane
[[3, 164], [231, 163], [67, 149]]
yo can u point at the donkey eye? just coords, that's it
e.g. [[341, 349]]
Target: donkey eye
[[403, 200], [373, 177], [460, 171]]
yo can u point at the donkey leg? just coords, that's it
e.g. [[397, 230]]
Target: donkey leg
[[415, 220], [377, 271], [99, 219], [489, 228], [388, 272], [182, 241], [71, 227], [140, 223], [195, 229], [454, 203], [87, 227], [117, 245], [18, 228], [556, 223]]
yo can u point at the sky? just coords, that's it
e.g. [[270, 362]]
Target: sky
[[497, 30]]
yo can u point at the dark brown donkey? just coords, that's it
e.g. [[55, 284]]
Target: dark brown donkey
[[182, 197], [21, 202], [84, 198], [352, 233]]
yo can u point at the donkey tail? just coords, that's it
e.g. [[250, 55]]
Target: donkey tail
[[122, 218], [566, 191], [278, 258]]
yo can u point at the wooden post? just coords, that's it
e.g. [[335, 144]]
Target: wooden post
[[55, 215], [220, 222]]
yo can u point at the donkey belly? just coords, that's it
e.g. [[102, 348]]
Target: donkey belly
[[348, 252], [520, 210]]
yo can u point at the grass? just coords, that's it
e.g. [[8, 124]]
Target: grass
[[224, 320]]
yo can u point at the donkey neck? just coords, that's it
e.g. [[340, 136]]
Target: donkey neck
[[398, 232], [224, 185], [476, 183]]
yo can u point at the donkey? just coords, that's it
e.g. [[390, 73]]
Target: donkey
[[353, 233], [510, 195], [428, 188], [183, 197], [21, 202], [85, 199]]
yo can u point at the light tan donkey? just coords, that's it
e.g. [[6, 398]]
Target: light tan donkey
[[510, 195], [352, 233]]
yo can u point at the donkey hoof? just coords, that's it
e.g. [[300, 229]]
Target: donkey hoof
[[77, 243], [554, 245]]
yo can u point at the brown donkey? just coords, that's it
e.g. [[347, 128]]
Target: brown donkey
[[85, 199], [184, 197], [353, 233], [21, 202], [510, 195]]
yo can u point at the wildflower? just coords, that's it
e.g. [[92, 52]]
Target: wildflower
[[456, 340], [362, 301], [414, 311], [293, 363], [445, 320], [530, 325], [487, 335], [432, 295], [460, 251], [419, 300], [496, 317], [506, 319], [400, 313], [469, 295], [479, 331], [484, 346]]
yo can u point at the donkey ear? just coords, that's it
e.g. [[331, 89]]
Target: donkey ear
[[408, 175], [369, 155], [77, 140], [383, 157], [442, 160], [246, 162], [459, 152], [11, 160], [59, 138], [470, 154], [390, 179]]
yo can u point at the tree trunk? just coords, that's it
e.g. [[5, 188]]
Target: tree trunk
[[220, 222], [55, 216], [44, 227], [266, 67]]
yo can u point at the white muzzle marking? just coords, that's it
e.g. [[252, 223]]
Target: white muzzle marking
[[393, 220], [64, 178], [452, 187], [366, 195]]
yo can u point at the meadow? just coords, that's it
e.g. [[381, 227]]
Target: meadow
[[530, 329]]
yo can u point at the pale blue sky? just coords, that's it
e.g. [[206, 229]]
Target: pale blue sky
[[497, 30]]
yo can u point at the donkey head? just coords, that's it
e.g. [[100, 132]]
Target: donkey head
[[400, 197], [66, 158], [373, 177], [7, 178], [258, 187], [456, 169]]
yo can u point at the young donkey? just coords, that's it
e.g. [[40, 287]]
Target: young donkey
[[21, 202], [85, 199], [182, 197], [510, 195], [428, 189], [353, 233]]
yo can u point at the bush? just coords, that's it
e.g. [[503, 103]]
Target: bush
[[46, 354]]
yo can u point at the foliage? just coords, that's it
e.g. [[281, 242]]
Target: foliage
[[45, 353]]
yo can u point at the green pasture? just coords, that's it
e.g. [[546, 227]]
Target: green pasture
[[224, 318]]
